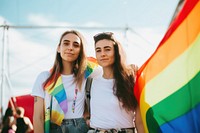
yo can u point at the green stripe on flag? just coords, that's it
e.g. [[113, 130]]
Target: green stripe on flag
[[178, 103]]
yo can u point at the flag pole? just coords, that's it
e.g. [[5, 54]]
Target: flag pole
[[2, 70]]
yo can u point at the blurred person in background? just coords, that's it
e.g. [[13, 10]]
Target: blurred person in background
[[8, 123], [23, 123]]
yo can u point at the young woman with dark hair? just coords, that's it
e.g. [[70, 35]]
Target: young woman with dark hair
[[113, 106], [8, 123]]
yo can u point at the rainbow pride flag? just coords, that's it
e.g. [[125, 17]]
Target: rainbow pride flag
[[59, 94], [91, 65], [168, 83]]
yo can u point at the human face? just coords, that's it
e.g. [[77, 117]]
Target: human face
[[69, 48], [105, 53]]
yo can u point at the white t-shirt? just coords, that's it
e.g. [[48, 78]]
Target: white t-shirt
[[69, 86], [70, 91], [106, 111]]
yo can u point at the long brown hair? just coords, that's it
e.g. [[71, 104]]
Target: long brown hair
[[79, 64], [124, 80]]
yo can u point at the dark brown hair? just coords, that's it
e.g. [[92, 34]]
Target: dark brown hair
[[124, 80]]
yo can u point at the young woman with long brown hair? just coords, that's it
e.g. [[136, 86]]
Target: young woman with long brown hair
[[59, 93], [113, 106]]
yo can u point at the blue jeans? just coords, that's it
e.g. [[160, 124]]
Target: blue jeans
[[71, 126], [55, 128]]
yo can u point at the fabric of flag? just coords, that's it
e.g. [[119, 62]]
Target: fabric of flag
[[57, 113], [168, 83], [59, 94], [91, 65]]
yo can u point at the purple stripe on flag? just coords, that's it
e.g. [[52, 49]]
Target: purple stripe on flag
[[64, 106]]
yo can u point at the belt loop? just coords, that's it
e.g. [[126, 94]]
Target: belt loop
[[75, 122]]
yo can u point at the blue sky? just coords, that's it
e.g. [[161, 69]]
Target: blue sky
[[133, 13], [30, 51]]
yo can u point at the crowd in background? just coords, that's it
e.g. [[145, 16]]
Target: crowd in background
[[14, 121]]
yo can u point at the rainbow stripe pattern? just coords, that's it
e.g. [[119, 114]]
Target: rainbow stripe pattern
[[168, 83], [58, 93], [57, 113], [91, 65]]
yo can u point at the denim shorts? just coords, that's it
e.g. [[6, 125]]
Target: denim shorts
[[71, 126]]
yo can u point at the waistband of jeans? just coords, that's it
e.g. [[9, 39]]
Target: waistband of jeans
[[113, 129], [72, 120], [53, 126]]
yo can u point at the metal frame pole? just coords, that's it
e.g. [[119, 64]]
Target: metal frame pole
[[2, 70]]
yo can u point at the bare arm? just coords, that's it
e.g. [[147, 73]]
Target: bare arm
[[38, 115], [138, 121], [28, 122], [13, 123], [86, 115]]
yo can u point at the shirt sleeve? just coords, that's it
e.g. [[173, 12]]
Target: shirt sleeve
[[38, 89], [97, 71]]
